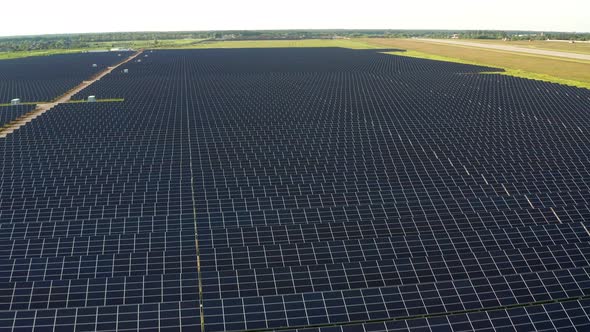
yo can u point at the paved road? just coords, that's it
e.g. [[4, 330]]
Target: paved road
[[510, 48]]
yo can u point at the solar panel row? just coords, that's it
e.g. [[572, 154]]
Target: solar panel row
[[13, 112], [305, 189], [44, 78], [549, 317], [76, 197]]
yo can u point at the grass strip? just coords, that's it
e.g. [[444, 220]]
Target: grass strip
[[107, 100]]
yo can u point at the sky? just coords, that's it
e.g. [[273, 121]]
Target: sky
[[32, 17]]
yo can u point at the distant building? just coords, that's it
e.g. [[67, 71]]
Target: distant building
[[91, 99], [455, 36], [228, 37], [15, 101]]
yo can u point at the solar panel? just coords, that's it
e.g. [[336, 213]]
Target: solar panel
[[549, 317], [45, 78], [13, 112], [300, 190]]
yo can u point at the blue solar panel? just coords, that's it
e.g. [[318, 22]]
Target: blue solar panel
[[45, 78], [10, 113], [307, 190]]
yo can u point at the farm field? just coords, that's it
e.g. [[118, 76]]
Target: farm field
[[578, 47], [558, 70], [511, 49], [306, 188]]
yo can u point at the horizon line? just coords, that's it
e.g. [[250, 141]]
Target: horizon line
[[296, 29]]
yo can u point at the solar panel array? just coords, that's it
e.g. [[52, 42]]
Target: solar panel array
[[44, 78], [13, 112], [303, 190]]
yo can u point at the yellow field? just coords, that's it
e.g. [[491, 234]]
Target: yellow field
[[558, 70], [582, 48]]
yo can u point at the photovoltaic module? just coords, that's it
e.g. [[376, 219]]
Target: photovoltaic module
[[300, 189]]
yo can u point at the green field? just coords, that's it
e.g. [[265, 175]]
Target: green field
[[345, 43], [24, 54], [204, 43], [137, 44], [134, 44]]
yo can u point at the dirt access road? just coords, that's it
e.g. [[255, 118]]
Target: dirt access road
[[509, 48], [42, 108]]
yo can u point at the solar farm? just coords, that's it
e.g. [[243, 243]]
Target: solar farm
[[292, 189], [37, 79]]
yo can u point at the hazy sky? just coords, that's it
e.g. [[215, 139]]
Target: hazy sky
[[23, 17]]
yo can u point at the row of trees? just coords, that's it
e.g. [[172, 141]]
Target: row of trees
[[523, 35], [86, 40]]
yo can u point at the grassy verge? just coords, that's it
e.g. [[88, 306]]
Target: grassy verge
[[108, 100], [25, 103], [24, 54], [543, 77], [556, 70]]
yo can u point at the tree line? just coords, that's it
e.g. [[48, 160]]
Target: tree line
[[81, 41]]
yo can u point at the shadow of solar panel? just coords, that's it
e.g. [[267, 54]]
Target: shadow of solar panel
[[300, 189]]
